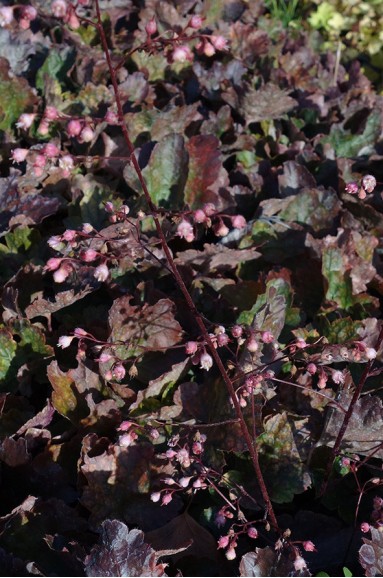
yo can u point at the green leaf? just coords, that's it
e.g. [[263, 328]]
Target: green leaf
[[55, 67], [349, 145], [7, 351], [64, 399], [166, 171], [346, 571], [285, 473], [16, 96]]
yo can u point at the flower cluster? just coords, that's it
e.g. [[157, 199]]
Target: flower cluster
[[189, 472], [23, 14], [177, 46], [366, 186], [210, 218], [229, 542]]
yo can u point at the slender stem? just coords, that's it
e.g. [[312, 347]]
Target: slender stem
[[199, 320], [348, 414]]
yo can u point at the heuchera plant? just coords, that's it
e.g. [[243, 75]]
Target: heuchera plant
[[191, 338]]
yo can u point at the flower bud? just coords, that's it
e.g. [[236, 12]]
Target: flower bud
[[74, 128], [308, 546], [151, 27], [369, 183], [206, 361], [191, 347], [195, 21], [238, 222]]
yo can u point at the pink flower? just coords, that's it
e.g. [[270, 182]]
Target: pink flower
[[43, 127], [69, 235], [369, 183], [111, 117], [127, 439], [166, 499], [183, 457], [65, 341], [252, 345], [28, 13], [236, 331], [182, 53], [301, 343], [352, 188], [25, 120], [87, 134], [105, 357], [80, 332], [101, 273], [312, 368], [51, 113], [200, 216], [73, 21], [238, 222], [209, 209], [66, 163], [208, 49], [185, 231], [299, 563], [365, 527], [59, 8], [73, 128], [6, 15], [195, 21], [223, 542], [119, 371], [53, 264], [19, 155], [219, 42], [370, 353], [206, 361], [40, 161], [151, 27], [231, 554], [252, 532], [267, 337], [155, 496], [197, 448], [338, 377], [191, 347], [88, 255], [184, 482], [222, 339], [51, 150], [309, 546], [87, 228], [62, 273], [220, 229]]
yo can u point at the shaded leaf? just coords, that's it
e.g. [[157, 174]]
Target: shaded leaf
[[316, 208], [214, 257], [151, 326], [206, 175], [267, 103], [122, 552], [183, 532], [365, 429], [371, 553], [284, 470], [268, 562]]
